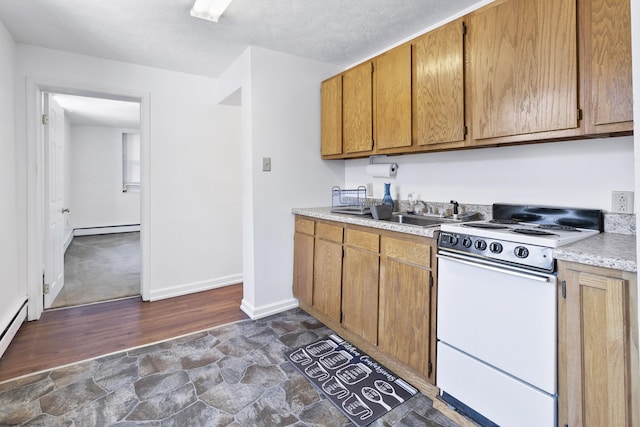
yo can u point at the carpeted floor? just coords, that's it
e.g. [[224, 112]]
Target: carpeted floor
[[235, 375], [100, 268]]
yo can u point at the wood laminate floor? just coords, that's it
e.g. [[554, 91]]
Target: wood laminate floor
[[70, 335]]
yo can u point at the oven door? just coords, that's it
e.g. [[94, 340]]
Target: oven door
[[497, 336]]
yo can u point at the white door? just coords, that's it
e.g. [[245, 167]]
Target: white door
[[54, 200]]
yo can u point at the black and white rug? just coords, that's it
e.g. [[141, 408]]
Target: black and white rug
[[355, 383]]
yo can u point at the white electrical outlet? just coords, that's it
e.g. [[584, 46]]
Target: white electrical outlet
[[622, 202], [370, 189]]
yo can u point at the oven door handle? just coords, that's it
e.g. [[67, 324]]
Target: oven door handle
[[475, 262]]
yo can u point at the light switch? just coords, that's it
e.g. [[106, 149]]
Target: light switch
[[266, 164]]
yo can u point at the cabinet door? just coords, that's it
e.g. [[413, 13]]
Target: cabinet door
[[327, 270], [360, 284], [392, 77], [438, 89], [523, 68], [405, 325], [357, 109], [303, 243], [607, 43], [404, 320], [596, 353], [331, 116]]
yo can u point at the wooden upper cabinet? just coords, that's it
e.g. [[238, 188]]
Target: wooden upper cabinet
[[523, 70], [438, 86], [392, 76], [357, 109], [331, 116], [607, 56]]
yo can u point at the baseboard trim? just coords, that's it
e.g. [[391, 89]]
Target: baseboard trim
[[90, 231], [68, 240], [190, 288], [256, 313], [12, 328]]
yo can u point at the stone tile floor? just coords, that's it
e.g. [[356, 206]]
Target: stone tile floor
[[233, 375]]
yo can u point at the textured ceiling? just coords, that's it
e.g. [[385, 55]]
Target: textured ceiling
[[161, 33]]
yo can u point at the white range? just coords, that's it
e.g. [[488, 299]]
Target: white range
[[497, 321]]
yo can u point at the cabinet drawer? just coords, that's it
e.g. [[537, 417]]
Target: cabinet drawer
[[363, 240], [305, 226], [329, 232], [402, 250]]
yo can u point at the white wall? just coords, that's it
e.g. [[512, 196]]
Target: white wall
[[576, 174], [281, 120], [13, 291], [96, 198], [193, 191]]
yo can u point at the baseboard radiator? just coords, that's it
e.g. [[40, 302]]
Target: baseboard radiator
[[108, 229], [11, 330]]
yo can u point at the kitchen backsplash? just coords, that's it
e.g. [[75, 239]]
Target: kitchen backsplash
[[619, 223], [613, 222]]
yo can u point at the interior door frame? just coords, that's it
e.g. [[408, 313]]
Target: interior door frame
[[34, 180]]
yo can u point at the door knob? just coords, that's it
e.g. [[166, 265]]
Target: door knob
[[65, 210]]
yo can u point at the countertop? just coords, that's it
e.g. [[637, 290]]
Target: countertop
[[609, 250], [325, 213]]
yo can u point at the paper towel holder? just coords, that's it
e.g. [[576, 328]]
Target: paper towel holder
[[393, 167]]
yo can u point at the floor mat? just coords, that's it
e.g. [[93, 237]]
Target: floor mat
[[355, 383]]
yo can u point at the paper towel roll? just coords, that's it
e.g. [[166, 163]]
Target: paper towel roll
[[382, 170]]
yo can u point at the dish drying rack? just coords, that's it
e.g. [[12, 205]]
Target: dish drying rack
[[350, 201]]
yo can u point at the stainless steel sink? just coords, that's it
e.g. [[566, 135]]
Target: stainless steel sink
[[417, 220]]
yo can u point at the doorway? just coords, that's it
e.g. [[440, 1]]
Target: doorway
[[36, 203], [92, 199]]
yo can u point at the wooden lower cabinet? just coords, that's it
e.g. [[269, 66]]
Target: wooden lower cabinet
[[327, 270], [360, 271], [406, 320], [303, 241], [598, 347], [377, 289]]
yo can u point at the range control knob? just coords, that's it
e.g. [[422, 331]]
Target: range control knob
[[449, 239], [466, 242], [495, 247], [481, 245], [521, 252]]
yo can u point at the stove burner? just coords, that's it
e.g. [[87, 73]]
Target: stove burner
[[485, 225], [532, 231], [557, 227], [504, 221]]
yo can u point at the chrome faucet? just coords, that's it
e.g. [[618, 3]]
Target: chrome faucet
[[419, 207]]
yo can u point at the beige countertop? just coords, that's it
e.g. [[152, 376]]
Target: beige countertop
[[610, 250], [325, 213]]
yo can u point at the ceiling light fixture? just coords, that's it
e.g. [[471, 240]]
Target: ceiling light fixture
[[210, 10]]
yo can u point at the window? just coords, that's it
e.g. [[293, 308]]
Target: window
[[130, 162]]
